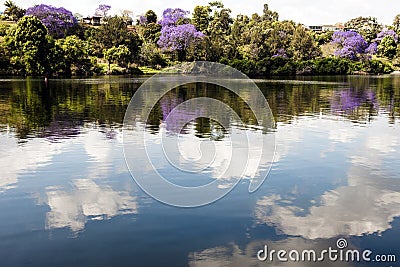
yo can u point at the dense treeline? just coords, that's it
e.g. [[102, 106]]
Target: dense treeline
[[52, 41]]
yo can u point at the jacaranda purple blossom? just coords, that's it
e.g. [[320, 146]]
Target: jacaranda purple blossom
[[178, 37], [349, 44], [172, 15], [56, 20], [372, 49]]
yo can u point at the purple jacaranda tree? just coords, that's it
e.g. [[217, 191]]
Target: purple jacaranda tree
[[57, 20], [102, 10], [177, 38], [349, 44], [171, 16]]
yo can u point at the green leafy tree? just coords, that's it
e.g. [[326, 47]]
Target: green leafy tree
[[133, 42], [150, 32], [120, 54], [74, 54], [323, 37], [113, 34], [12, 11], [218, 31], [92, 37], [4, 28], [150, 55], [388, 47], [201, 18], [29, 46], [5, 56], [251, 39], [303, 45]]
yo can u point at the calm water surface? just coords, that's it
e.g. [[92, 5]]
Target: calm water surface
[[67, 198]]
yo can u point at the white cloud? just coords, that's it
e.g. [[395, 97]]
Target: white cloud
[[29, 156], [87, 201], [367, 204], [39, 152]]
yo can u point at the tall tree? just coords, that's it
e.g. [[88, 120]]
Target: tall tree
[[179, 38], [74, 54], [148, 28], [201, 17], [303, 46], [151, 32], [387, 47], [29, 46], [12, 11], [218, 31], [112, 33]]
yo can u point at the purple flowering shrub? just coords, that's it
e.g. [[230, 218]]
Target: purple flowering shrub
[[349, 44], [57, 20]]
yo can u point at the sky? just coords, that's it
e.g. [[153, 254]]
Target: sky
[[307, 12]]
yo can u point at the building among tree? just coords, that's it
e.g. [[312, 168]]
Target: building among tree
[[94, 20]]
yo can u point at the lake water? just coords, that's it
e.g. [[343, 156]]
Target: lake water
[[68, 199]]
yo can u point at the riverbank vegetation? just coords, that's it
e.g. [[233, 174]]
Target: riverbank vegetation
[[49, 41]]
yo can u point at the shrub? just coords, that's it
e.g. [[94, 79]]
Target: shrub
[[332, 66], [377, 66]]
